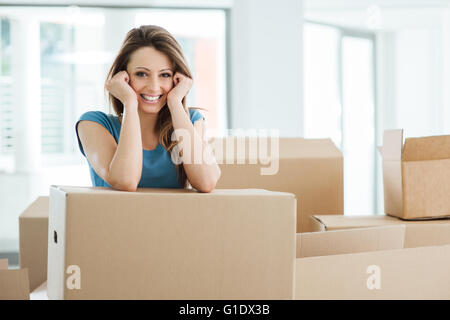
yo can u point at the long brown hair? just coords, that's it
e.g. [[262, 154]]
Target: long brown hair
[[160, 39]]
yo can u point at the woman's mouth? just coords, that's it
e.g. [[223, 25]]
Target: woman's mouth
[[151, 99]]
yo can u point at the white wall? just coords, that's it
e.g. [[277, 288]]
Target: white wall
[[418, 84], [266, 65]]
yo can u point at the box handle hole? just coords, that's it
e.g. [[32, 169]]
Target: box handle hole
[[55, 237]]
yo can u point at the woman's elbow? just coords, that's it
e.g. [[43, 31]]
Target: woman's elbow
[[125, 186], [206, 188], [129, 188], [209, 186]]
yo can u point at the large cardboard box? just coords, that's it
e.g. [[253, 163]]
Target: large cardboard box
[[170, 244], [312, 169], [418, 233], [369, 264], [416, 176], [33, 240], [14, 284]]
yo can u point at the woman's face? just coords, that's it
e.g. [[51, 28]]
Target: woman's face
[[151, 77]]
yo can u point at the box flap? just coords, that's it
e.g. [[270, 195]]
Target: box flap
[[350, 241], [337, 222], [3, 264], [37, 209], [14, 285], [392, 145], [429, 234], [427, 148], [414, 273], [392, 171]]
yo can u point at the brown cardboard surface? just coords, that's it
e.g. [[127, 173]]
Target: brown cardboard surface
[[427, 234], [426, 189], [427, 148], [418, 233], [171, 244], [3, 264], [414, 273], [33, 240], [350, 241], [312, 169], [14, 285]]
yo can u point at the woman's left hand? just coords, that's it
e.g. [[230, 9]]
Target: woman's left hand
[[182, 85]]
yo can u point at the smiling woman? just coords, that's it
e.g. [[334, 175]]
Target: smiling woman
[[147, 83]]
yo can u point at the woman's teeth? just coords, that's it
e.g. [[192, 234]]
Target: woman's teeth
[[150, 98]]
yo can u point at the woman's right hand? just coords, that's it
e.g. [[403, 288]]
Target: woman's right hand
[[119, 87]]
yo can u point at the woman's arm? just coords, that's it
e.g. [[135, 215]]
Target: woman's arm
[[202, 176], [199, 164], [120, 165]]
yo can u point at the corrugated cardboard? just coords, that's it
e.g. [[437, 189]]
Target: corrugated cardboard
[[350, 241], [415, 273], [347, 264], [14, 284], [170, 244], [416, 176], [312, 169], [418, 233], [33, 240], [3, 264]]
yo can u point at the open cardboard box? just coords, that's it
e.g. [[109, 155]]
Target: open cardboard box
[[416, 176], [14, 284], [418, 233], [312, 169], [370, 263]]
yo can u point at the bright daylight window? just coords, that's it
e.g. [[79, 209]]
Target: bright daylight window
[[339, 104]]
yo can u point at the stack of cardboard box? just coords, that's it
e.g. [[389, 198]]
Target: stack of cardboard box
[[244, 243]]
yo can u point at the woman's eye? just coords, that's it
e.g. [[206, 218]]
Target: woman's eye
[[166, 75], [140, 74]]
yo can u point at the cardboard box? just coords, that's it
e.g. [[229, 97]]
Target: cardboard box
[[418, 233], [369, 264], [416, 176], [33, 240], [170, 244], [14, 284], [312, 169]]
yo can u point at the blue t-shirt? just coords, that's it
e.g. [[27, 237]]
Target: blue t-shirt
[[158, 170]]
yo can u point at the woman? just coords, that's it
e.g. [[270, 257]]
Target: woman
[[147, 85]]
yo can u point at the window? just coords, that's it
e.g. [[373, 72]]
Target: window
[[6, 105], [340, 103], [77, 47]]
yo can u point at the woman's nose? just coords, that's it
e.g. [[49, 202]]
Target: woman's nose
[[153, 83]]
